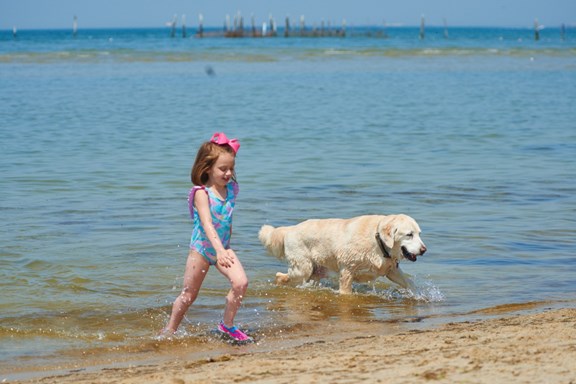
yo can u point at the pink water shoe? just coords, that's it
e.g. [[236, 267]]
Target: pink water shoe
[[233, 332]]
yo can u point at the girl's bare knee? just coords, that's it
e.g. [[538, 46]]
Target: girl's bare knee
[[187, 297], [241, 284]]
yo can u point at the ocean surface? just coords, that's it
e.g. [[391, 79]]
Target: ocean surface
[[472, 134]]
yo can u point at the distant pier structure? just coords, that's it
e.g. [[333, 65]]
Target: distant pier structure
[[235, 28]]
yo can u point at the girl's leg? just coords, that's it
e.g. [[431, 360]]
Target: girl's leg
[[237, 277], [196, 270]]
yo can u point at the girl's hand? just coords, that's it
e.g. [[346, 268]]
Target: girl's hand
[[225, 259]]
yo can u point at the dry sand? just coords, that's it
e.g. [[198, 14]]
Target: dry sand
[[527, 348]]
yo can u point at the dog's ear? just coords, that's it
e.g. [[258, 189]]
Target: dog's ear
[[389, 232]]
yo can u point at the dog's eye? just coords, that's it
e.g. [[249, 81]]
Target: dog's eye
[[410, 235]]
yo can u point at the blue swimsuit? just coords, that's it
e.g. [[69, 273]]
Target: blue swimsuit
[[221, 211]]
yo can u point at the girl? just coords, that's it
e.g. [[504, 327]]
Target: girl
[[211, 203]]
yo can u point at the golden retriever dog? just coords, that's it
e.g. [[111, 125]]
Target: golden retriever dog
[[359, 249]]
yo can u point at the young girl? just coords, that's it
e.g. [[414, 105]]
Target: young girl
[[211, 203]]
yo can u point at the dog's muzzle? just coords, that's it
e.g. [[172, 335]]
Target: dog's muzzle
[[413, 256]]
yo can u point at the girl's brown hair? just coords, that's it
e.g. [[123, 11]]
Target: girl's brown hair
[[206, 157]]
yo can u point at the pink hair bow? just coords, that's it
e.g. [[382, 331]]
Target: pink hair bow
[[221, 139]]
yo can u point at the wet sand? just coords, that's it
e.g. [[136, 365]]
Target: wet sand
[[509, 348]]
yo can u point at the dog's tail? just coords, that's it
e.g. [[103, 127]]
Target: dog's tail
[[273, 239]]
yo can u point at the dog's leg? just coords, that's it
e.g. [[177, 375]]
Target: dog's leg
[[397, 276], [345, 282], [299, 272]]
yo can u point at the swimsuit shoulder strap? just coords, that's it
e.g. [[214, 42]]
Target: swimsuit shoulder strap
[[191, 198]]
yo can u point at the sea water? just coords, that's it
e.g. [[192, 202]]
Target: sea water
[[473, 135]]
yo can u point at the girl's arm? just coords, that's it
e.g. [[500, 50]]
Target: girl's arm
[[203, 207]]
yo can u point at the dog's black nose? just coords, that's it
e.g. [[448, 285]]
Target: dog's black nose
[[422, 249]]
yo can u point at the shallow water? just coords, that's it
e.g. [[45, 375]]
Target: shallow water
[[473, 136]]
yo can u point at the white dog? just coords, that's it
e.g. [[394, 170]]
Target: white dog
[[359, 249]]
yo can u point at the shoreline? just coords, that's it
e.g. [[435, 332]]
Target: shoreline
[[512, 348]]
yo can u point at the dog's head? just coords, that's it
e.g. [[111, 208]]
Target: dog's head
[[401, 236]]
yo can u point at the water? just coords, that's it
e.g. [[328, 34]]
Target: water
[[473, 136]]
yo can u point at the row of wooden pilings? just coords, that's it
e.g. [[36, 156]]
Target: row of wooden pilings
[[235, 28]]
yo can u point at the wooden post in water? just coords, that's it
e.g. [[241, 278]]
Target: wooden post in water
[[536, 30], [184, 26], [75, 26], [14, 32], [287, 27], [343, 34], [227, 25], [445, 29], [240, 24], [271, 25], [384, 31], [253, 26], [563, 31], [200, 25], [422, 33], [173, 26], [238, 30], [302, 26]]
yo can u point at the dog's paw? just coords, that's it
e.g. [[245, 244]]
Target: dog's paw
[[282, 278]]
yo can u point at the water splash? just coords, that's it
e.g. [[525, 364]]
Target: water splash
[[426, 291]]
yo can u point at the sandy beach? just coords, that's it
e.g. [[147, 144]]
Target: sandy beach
[[510, 348]]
